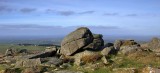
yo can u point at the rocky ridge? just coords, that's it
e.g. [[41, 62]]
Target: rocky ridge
[[80, 48]]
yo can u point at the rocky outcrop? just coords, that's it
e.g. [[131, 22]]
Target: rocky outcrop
[[120, 43], [10, 52], [87, 51], [82, 45], [97, 43], [76, 40], [117, 44], [80, 40], [128, 49], [25, 51], [47, 53], [28, 63], [55, 61], [108, 45], [154, 45], [126, 46], [33, 70]]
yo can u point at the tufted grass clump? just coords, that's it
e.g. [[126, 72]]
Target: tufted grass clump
[[91, 58]]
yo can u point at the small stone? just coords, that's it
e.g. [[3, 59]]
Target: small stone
[[93, 69], [108, 50], [52, 66], [105, 61], [56, 69], [12, 64], [46, 72]]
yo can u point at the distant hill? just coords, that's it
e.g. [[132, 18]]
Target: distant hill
[[57, 39]]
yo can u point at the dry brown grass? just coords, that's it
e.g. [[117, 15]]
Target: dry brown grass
[[1, 55], [91, 58], [145, 58], [128, 42], [67, 59], [125, 70]]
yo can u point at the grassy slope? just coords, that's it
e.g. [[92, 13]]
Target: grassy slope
[[138, 61]]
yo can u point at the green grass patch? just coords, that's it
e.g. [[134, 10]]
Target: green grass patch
[[2, 67], [102, 70], [127, 63], [4, 47]]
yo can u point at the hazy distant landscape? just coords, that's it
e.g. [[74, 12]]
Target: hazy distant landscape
[[57, 39]]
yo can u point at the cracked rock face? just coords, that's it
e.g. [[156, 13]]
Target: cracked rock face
[[28, 63], [76, 40], [154, 45]]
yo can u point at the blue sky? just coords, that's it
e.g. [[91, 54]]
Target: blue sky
[[57, 17]]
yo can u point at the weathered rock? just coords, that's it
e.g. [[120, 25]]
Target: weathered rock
[[97, 43], [32, 70], [129, 49], [76, 40], [49, 53], [23, 51], [9, 59], [10, 52], [55, 61], [28, 63], [149, 69], [12, 59], [108, 50], [108, 45], [119, 43], [97, 36], [154, 45], [58, 51]]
